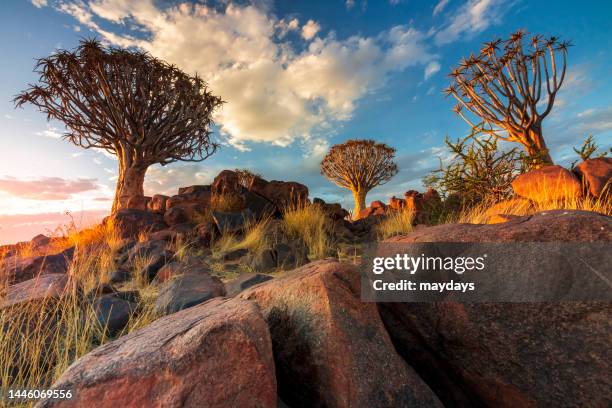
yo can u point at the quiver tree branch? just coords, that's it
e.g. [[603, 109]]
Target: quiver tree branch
[[128, 103], [511, 87], [359, 165]]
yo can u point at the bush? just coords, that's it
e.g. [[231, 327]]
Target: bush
[[477, 170]]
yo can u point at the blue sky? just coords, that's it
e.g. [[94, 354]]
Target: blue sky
[[299, 76]]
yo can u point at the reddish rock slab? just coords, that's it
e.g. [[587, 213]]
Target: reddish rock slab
[[158, 203], [37, 289], [330, 348], [547, 183], [510, 354], [217, 354], [281, 193], [131, 223], [596, 175]]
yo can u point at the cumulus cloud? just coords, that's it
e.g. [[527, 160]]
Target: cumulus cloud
[[310, 29], [431, 69], [46, 188], [276, 91], [472, 18]]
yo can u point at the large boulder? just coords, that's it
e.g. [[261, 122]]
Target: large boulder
[[191, 195], [131, 223], [15, 269], [510, 354], [217, 354], [226, 183], [230, 223], [184, 213], [245, 281], [331, 349], [547, 183], [596, 175]]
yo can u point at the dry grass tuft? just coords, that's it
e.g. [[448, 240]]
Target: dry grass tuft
[[309, 223], [396, 223]]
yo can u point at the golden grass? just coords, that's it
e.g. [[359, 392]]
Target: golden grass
[[309, 223], [40, 339], [255, 239], [396, 223], [478, 214]]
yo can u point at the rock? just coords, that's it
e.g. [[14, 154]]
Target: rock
[[231, 222], [499, 212], [138, 202], [42, 287], [596, 175], [263, 261], [206, 232], [510, 354], [281, 193], [235, 254], [190, 266], [158, 203], [149, 257], [217, 354], [290, 255], [332, 210], [201, 197], [15, 270], [187, 291], [547, 183], [546, 226], [119, 276], [113, 313], [184, 213], [244, 281], [40, 241], [331, 349], [132, 222], [198, 189], [377, 204], [258, 205], [103, 289], [226, 183]]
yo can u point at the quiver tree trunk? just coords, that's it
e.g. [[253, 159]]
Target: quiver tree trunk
[[360, 203], [130, 185], [537, 147]]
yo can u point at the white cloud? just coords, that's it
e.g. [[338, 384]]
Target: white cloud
[[440, 7], [39, 3], [51, 132], [431, 69], [276, 92], [350, 4], [310, 29], [472, 18]]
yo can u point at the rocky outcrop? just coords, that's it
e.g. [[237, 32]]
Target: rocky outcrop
[[330, 348], [510, 354], [547, 183], [217, 354], [502, 211], [596, 175], [15, 269]]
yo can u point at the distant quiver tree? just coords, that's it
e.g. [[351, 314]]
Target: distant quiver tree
[[127, 103], [359, 165]]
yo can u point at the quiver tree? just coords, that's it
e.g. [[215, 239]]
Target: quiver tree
[[511, 86], [359, 165], [128, 103]]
